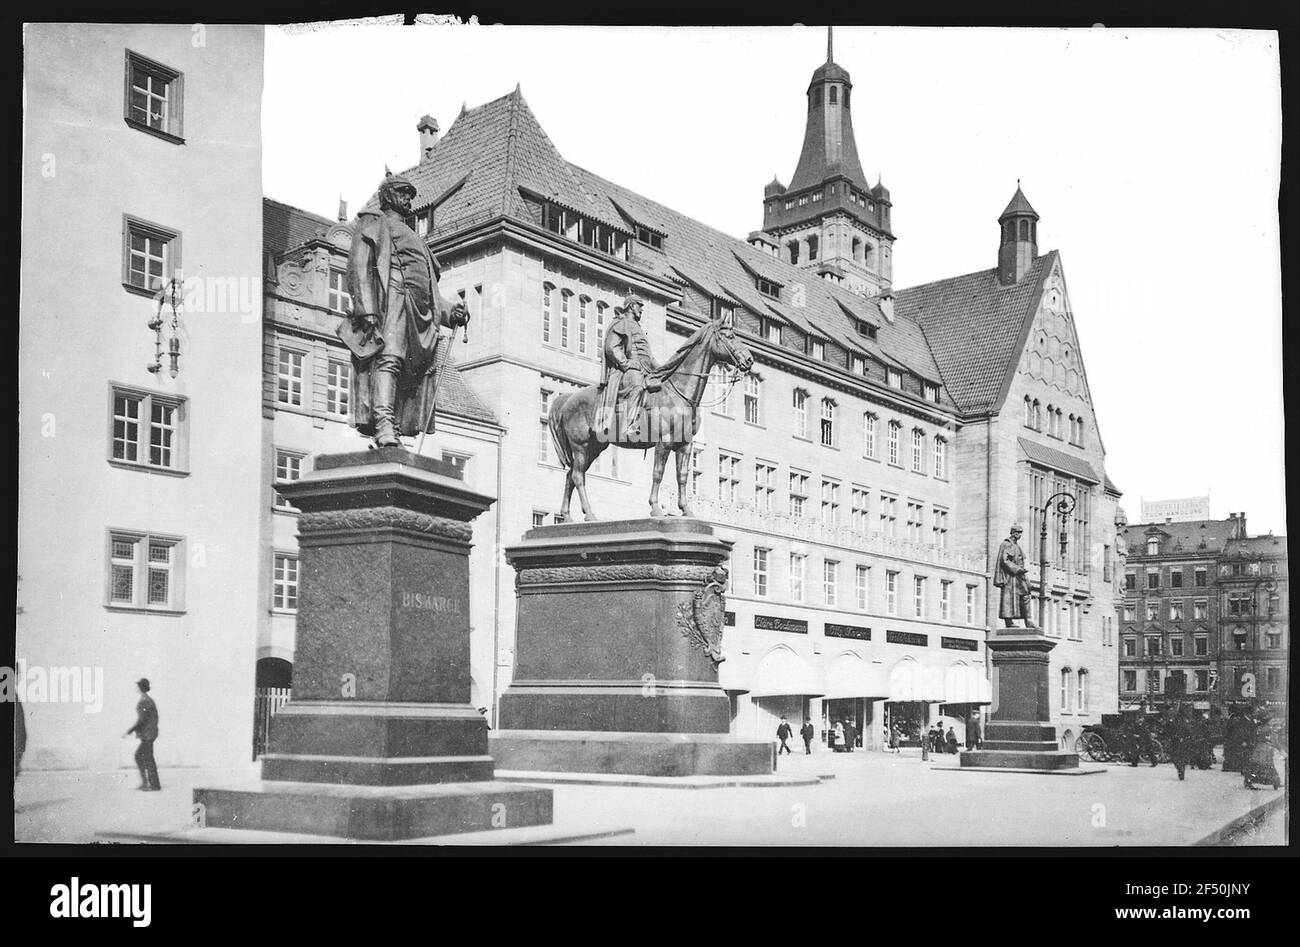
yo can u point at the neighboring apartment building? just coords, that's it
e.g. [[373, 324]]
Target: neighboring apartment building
[[1205, 613], [138, 477], [867, 469]]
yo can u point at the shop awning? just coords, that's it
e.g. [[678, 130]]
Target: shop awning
[[851, 676], [912, 681], [966, 684], [783, 673]]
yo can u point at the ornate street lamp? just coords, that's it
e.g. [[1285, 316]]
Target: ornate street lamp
[[1063, 503]]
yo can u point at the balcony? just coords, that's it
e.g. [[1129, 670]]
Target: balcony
[[805, 529]]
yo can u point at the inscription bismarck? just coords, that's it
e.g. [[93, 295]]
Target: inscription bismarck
[[430, 601]]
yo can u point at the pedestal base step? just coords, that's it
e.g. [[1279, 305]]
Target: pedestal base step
[[631, 754], [375, 813], [658, 782], [1030, 760]]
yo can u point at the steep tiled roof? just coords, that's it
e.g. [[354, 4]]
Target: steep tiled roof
[[1186, 536], [456, 397], [1058, 460], [1019, 205], [1271, 546], [503, 148], [715, 260], [285, 227], [976, 328]]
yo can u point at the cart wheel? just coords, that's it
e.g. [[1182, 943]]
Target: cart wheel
[[1090, 747], [1158, 748]]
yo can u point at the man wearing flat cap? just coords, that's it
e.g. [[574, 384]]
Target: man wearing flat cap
[[627, 374], [1011, 576], [398, 320], [146, 730]]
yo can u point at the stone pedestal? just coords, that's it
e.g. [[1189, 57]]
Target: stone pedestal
[[1020, 734], [380, 740], [605, 679]]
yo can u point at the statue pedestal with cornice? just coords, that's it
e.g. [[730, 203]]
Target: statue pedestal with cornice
[[618, 638], [380, 740], [1020, 734]]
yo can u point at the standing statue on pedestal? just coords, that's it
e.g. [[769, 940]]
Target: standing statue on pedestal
[[1121, 536], [400, 328], [1011, 576]]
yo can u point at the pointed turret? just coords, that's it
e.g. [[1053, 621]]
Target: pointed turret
[[1018, 246]]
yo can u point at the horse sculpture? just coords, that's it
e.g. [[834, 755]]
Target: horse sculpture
[[671, 422]]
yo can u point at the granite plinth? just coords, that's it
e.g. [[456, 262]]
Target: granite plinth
[[375, 813], [606, 678], [379, 740], [632, 754], [1020, 735]]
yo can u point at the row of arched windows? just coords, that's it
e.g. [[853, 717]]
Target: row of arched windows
[[574, 325], [1056, 421], [832, 95], [1028, 230], [1074, 690]]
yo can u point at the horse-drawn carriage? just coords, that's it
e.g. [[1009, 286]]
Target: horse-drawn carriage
[[1109, 741]]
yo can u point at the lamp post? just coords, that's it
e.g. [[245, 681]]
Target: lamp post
[[1063, 503]]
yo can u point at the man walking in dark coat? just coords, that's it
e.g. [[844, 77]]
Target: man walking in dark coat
[[1179, 734], [1236, 738], [146, 730], [783, 733], [807, 732], [973, 732]]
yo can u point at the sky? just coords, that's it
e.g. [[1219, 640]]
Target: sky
[[1152, 157]]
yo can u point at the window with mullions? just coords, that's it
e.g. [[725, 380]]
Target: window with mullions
[[154, 101], [284, 583], [340, 300], [828, 423], [918, 450], [148, 429], [150, 255], [338, 388], [289, 377], [869, 422], [764, 486], [753, 399], [145, 571], [288, 468]]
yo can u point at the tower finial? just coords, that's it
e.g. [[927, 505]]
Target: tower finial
[[830, 43]]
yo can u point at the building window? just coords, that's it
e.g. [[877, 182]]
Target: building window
[[144, 571], [1201, 646], [941, 458], [149, 429], [1129, 613], [1130, 681], [869, 421], [1153, 546], [891, 593], [1152, 646], [1202, 680], [1081, 691], [860, 511], [888, 516], [764, 486], [918, 450], [915, 513], [1130, 581], [584, 304], [1037, 415], [728, 477], [760, 571], [940, 528], [1200, 609], [1153, 579], [544, 440], [1153, 611], [1273, 639], [1029, 412], [1130, 647], [830, 580], [818, 349], [945, 600], [284, 584], [1176, 646], [830, 503], [288, 468], [970, 604], [828, 423], [600, 330], [1176, 610], [338, 388], [340, 300], [289, 377], [565, 296], [1272, 679], [894, 378], [931, 392], [539, 517], [547, 292], [1065, 690], [1201, 576], [753, 393], [150, 255], [861, 586], [153, 96], [800, 403], [720, 391], [798, 494], [697, 469], [918, 596], [895, 432], [798, 573]]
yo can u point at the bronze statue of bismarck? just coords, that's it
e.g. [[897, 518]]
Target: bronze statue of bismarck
[[1011, 576], [398, 320]]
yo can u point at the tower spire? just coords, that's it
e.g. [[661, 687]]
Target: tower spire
[[830, 43]]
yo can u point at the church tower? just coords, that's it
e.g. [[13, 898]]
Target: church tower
[[829, 220], [1019, 240]]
